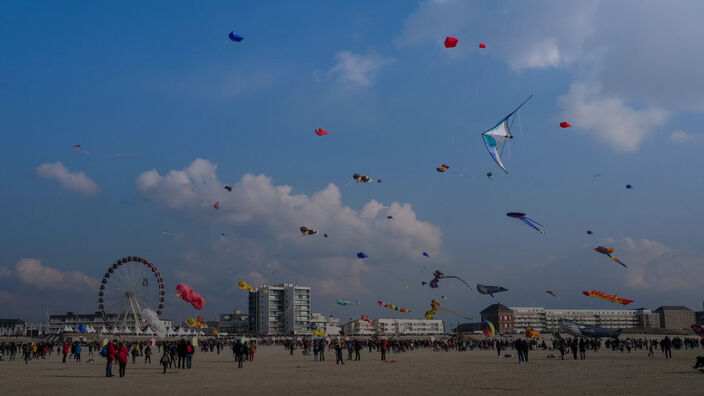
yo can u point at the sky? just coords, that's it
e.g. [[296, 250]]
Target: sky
[[168, 111]]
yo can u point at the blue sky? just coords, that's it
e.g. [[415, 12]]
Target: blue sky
[[162, 80]]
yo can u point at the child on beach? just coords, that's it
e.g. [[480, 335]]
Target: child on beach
[[165, 360]]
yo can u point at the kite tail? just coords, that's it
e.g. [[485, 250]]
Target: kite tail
[[534, 224], [618, 261], [454, 313]]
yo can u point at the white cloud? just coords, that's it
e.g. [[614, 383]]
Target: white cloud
[[654, 266], [645, 55], [77, 181], [31, 272], [608, 118], [358, 70], [269, 216], [679, 136]]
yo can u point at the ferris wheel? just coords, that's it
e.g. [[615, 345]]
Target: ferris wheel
[[128, 286]]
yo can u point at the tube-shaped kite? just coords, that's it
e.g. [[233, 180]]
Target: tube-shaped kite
[[608, 251], [614, 298], [391, 306]]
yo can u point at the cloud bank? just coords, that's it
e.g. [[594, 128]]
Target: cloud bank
[[76, 181]]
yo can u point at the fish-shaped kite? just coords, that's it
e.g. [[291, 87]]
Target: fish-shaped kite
[[552, 293], [608, 251], [490, 290]]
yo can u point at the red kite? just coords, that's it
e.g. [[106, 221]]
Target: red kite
[[565, 124], [451, 42], [321, 132], [482, 45]]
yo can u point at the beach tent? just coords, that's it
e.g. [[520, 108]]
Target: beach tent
[[67, 329], [200, 333], [126, 330], [148, 331], [137, 331], [104, 330], [114, 330], [181, 331]]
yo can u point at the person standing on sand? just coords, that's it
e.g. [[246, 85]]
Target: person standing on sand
[[357, 347], [77, 353], [315, 351], [321, 349], [668, 347], [498, 349], [65, 348], [239, 353], [338, 353], [252, 348], [122, 357], [382, 348], [111, 351], [165, 359], [573, 348], [189, 355], [148, 354], [582, 349], [182, 351]]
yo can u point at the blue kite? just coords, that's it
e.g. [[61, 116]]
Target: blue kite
[[522, 217], [235, 37]]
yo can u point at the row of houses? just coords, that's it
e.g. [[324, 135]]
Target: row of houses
[[394, 327]]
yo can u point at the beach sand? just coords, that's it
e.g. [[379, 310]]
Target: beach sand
[[415, 373]]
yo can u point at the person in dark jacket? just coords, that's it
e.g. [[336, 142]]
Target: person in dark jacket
[[182, 351]]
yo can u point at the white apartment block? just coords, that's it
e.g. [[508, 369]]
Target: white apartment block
[[282, 309], [547, 320], [394, 327]]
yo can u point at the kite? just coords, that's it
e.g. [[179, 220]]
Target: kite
[[552, 293], [495, 137], [482, 45], [489, 175], [589, 232], [532, 223], [362, 255], [318, 333], [166, 232], [443, 297], [152, 320], [196, 323], [389, 217], [488, 329], [145, 281], [405, 288], [490, 290], [244, 286], [442, 168], [629, 187], [235, 37], [583, 330], [228, 188], [439, 275], [614, 298], [435, 306], [308, 231], [426, 254], [343, 302], [565, 124], [451, 42], [321, 132], [363, 179], [216, 205], [187, 294], [530, 333], [608, 251], [391, 306], [78, 147], [365, 318], [697, 329]]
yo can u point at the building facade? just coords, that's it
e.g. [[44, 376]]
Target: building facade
[[516, 319], [282, 309], [234, 323], [675, 317], [394, 327], [500, 316]]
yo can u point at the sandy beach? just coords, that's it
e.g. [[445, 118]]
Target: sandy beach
[[418, 372]]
